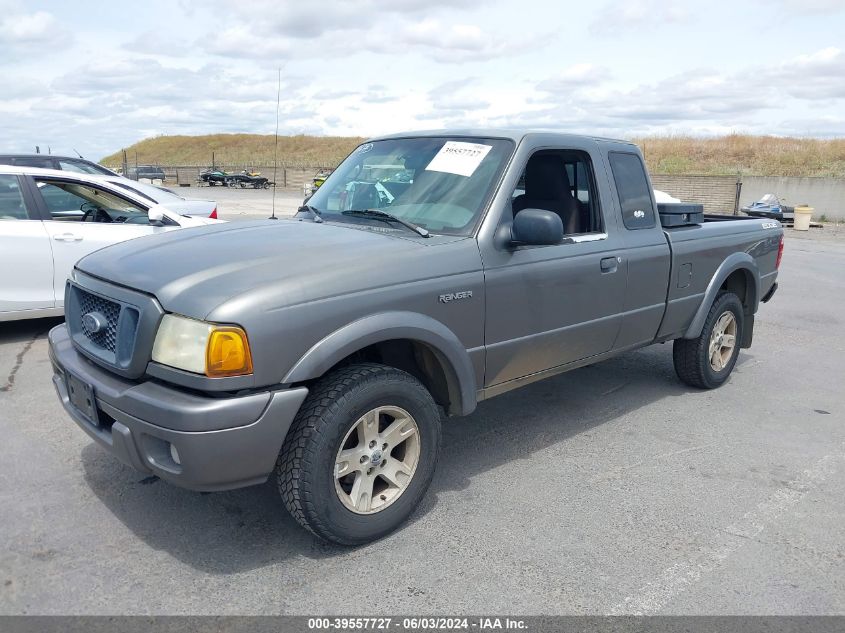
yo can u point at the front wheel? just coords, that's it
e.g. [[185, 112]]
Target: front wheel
[[360, 454], [707, 361]]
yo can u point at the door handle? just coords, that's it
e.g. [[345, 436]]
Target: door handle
[[68, 237], [609, 264]]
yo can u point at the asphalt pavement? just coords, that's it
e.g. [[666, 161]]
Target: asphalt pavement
[[611, 489], [247, 204]]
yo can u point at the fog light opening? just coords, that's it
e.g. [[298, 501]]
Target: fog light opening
[[174, 454]]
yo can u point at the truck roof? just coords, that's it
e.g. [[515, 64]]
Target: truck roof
[[515, 135]]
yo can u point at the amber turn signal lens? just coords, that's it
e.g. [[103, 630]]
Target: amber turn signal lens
[[227, 353]]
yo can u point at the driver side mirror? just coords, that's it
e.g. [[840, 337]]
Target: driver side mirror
[[536, 227], [156, 215]]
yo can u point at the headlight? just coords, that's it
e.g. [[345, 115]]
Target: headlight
[[202, 348]]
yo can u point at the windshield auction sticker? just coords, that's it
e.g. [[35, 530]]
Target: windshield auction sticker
[[459, 158]]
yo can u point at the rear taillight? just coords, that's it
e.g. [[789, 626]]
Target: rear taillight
[[780, 253], [213, 216]]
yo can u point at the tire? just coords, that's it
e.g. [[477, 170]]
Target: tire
[[328, 422], [695, 362]]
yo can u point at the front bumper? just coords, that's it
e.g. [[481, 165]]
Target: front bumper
[[221, 443]]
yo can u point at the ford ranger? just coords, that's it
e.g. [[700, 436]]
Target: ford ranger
[[430, 272]]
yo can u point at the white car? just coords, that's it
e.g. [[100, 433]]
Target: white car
[[161, 195], [49, 219], [663, 197]]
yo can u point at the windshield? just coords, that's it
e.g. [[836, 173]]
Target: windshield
[[84, 167], [439, 183]]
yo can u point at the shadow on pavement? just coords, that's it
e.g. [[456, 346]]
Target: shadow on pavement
[[229, 532], [19, 336], [26, 330]]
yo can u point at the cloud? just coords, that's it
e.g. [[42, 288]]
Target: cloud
[[31, 33], [455, 102], [300, 20], [158, 43], [815, 76], [241, 41], [810, 7], [345, 29], [702, 100], [620, 16], [453, 42], [575, 77]]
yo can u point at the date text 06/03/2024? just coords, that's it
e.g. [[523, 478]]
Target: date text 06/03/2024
[[417, 623]]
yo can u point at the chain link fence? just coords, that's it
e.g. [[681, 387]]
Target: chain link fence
[[287, 176]]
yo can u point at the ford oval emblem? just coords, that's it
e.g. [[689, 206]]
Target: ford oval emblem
[[94, 322]]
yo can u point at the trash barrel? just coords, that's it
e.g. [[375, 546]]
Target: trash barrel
[[802, 218]]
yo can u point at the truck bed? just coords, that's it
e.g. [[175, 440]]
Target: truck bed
[[699, 251]]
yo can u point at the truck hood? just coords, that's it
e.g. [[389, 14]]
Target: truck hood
[[265, 265]]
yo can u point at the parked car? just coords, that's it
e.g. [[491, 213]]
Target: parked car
[[321, 349], [160, 195], [48, 161], [49, 219], [167, 197], [150, 172], [661, 197]]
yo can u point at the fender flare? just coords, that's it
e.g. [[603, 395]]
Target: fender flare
[[388, 326], [734, 262]]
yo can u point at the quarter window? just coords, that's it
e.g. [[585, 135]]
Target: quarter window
[[11, 199], [633, 190]]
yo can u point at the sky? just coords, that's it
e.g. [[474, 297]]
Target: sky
[[98, 76]]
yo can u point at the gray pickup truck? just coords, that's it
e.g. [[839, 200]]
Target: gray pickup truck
[[430, 272]]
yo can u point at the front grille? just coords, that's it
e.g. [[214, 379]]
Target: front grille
[[106, 338], [104, 328]]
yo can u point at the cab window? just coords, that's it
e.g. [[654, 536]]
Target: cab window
[[560, 181]]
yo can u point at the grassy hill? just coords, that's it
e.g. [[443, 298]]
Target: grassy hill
[[237, 149], [749, 155]]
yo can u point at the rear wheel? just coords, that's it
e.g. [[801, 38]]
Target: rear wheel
[[360, 454], [707, 361]]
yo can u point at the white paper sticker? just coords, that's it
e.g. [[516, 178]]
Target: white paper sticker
[[459, 158]]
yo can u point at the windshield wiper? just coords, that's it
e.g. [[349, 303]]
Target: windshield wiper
[[378, 214], [314, 211]]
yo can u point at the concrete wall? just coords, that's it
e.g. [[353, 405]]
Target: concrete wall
[[716, 193], [825, 195]]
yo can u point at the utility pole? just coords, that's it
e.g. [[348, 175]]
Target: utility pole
[[276, 145]]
